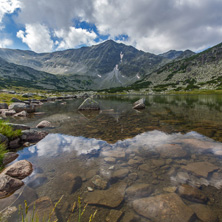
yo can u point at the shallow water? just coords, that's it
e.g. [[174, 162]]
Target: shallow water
[[176, 140]]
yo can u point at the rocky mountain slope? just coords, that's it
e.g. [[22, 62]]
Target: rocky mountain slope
[[200, 71], [101, 66]]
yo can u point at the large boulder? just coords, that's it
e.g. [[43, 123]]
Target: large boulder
[[19, 170], [3, 106], [89, 104], [139, 104], [18, 107], [32, 136], [8, 185], [163, 208]]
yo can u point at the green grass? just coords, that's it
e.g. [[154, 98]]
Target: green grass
[[8, 131], [2, 153]]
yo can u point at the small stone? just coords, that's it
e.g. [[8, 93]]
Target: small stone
[[170, 189], [110, 160], [112, 168], [158, 163], [191, 193], [44, 124], [114, 216], [133, 162], [99, 183], [145, 167], [20, 169], [90, 189]]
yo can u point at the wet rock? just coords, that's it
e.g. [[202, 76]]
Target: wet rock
[[21, 114], [9, 157], [8, 185], [191, 193], [204, 213], [44, 124], [3, 106], [145, 167], [182, 177], [91, 173], [69, 182], [18, 126], [110, 160], [20, 169], [171, 151], [43, 209], [163, 208], [157, 163], [14, 144], [114, 216], [139, 190], [99, 183], [37, 181], [8, 113], [33, 136], [89, 104], [133, 176], [120, 174], [18, 107], [135, 162], [114, 154], [200, 168], [139, 104], [112, 197], [3, 139]]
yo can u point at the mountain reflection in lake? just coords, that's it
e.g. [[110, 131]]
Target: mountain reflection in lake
[[160, 164]]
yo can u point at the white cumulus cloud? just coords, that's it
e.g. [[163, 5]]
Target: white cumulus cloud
[[4, 43], [74, 37], [37, 37]]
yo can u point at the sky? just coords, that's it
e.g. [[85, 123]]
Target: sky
[[154, 26]]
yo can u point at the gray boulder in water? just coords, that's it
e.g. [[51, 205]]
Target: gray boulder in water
[[89, 104], [139, 104]]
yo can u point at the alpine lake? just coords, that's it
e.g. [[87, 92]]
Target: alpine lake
[[161, 164]]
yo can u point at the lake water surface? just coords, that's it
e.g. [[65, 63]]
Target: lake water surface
[[163, 163]]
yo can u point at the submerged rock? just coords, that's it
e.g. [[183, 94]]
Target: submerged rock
[[120, 174], [114, 216], [99, 183], [200, 168], [139, 104], [8, 185], [112, 197], [20, 169], [89, 104], [163, 208], [139, 190], [43, 209], [191, 193]]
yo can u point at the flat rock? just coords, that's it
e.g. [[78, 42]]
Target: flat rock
[[91, 173], [37, 181], [18, 126], [157, 163], [44, 124], [163, 208], [114, 216], [110, 160], [204, 213], [200, 168], [99, 182], [43, 208], [9, 157], [171, 151], [191, 193], [8, 185], [112, 197], [69, 182], [33, 136], [89, 104], [120, 174], [114, 154], [139, 190], [20, 169]]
